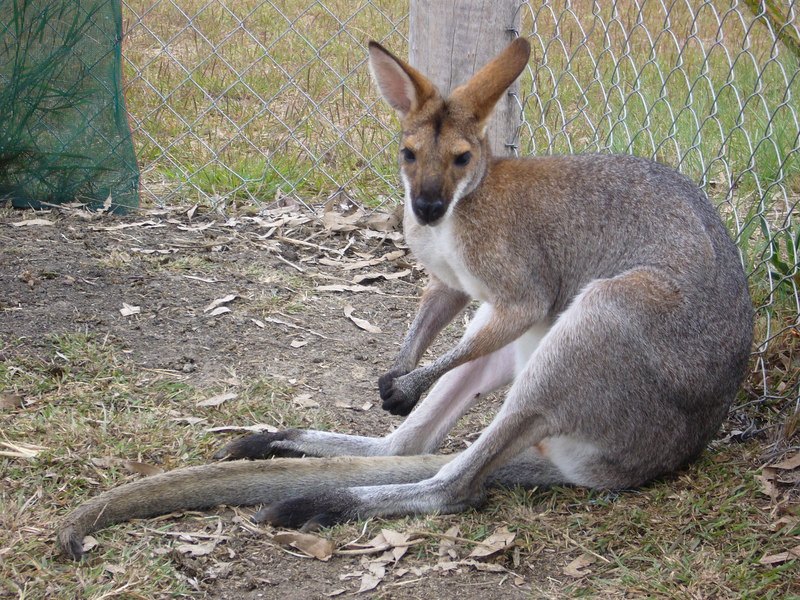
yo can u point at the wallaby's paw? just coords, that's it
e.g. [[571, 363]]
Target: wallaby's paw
[[397, 399], [386, 382], [309, 513], [258, 446]]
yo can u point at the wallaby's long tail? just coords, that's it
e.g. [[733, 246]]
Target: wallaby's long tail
[[240, 483]]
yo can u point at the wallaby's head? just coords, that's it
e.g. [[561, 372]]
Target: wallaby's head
[[443, 148]]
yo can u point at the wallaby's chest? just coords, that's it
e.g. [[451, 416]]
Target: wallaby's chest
[[440, 250]]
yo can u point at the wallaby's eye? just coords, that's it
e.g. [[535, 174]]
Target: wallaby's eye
[[462, 160], [408, 155]]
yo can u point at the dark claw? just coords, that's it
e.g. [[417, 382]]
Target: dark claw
[[258, 446], [399, 404]]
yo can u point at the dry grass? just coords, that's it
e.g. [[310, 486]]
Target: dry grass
[[711, 93]]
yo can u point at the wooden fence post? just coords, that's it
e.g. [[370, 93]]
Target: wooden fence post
[[451, 39]]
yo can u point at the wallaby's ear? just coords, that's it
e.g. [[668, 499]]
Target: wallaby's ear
[[482, 92], [402, 86]]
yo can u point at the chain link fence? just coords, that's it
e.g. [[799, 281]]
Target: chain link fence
[[247, 102]]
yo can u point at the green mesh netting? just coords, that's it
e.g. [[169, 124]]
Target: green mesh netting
[[64, 134]]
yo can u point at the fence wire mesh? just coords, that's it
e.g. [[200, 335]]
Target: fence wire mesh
[[248, 101]]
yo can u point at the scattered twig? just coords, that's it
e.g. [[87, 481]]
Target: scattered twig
[[290, 263]]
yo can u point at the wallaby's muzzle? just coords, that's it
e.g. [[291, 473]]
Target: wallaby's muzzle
[[428, 211], [429, 205]]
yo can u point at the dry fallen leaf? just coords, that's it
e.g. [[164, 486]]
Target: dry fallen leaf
[[782, 557], [305, 401], [395, 538], [383, 221], [309, 544], [447, 546], [89, 542], [203, 279], [369, 582], [457, 564], [768, 485], [579, 566], [220, 310], [114, 569], [106, 462], [367, 278], [360, 323], [148, 224], [220, 301], [197, 228], [21, 450], [128, 309], [399, 543], [201, 549], [220, 570], [394, 236], [482, 566], [141, 468], [785, 522], [218, 399], [499, 541], [366, 262], [30, 222], [788, 464], [334, 221]]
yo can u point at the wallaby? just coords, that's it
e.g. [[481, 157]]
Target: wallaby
[[612, 299]]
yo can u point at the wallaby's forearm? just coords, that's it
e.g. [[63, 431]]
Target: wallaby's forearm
[[439, 305], [400, 392]]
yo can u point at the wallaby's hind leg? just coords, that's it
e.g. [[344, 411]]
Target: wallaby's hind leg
[[607, 424], [423, 430]]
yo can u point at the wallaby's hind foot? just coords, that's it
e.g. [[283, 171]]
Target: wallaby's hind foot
[[259, 446]]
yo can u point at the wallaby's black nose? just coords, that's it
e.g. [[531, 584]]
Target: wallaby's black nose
[[428, 211]]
